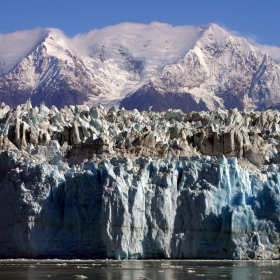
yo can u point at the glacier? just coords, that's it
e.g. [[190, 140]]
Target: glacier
[[90, 182]]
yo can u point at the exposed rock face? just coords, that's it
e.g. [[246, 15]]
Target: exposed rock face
[[94, 183]]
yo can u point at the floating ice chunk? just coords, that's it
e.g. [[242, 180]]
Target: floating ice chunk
[[266, 272]]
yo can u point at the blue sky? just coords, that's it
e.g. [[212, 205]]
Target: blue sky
[[255, 18]]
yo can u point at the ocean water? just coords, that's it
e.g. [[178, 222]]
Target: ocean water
[[137, 270]]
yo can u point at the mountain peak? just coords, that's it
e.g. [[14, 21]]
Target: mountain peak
[[216, 33], [214, 26], [57, 46], [214, 36], [222, 70], [16, 46]]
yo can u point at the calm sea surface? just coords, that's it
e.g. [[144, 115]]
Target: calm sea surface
[[135, 270]]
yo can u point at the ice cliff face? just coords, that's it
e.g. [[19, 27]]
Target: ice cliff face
[[93, 183]]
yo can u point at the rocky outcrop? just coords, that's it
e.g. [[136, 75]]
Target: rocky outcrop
[[85, 182]]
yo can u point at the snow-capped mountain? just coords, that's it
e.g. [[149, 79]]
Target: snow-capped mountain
[[53, 73], [188, 67], [99, 67], [220, 71]]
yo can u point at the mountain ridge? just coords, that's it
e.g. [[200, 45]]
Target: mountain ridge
[[220, 71], [196, 68]]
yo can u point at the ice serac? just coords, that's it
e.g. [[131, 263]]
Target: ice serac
[[87, 182], [221, 70]]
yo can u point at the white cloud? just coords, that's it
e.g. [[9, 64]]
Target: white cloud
[[156, 43], [159, 38], [272, 51], [17, 45]]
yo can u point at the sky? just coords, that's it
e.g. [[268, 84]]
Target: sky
[[258, 19]]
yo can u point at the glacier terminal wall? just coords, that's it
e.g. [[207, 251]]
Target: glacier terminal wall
[[95, 183]]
